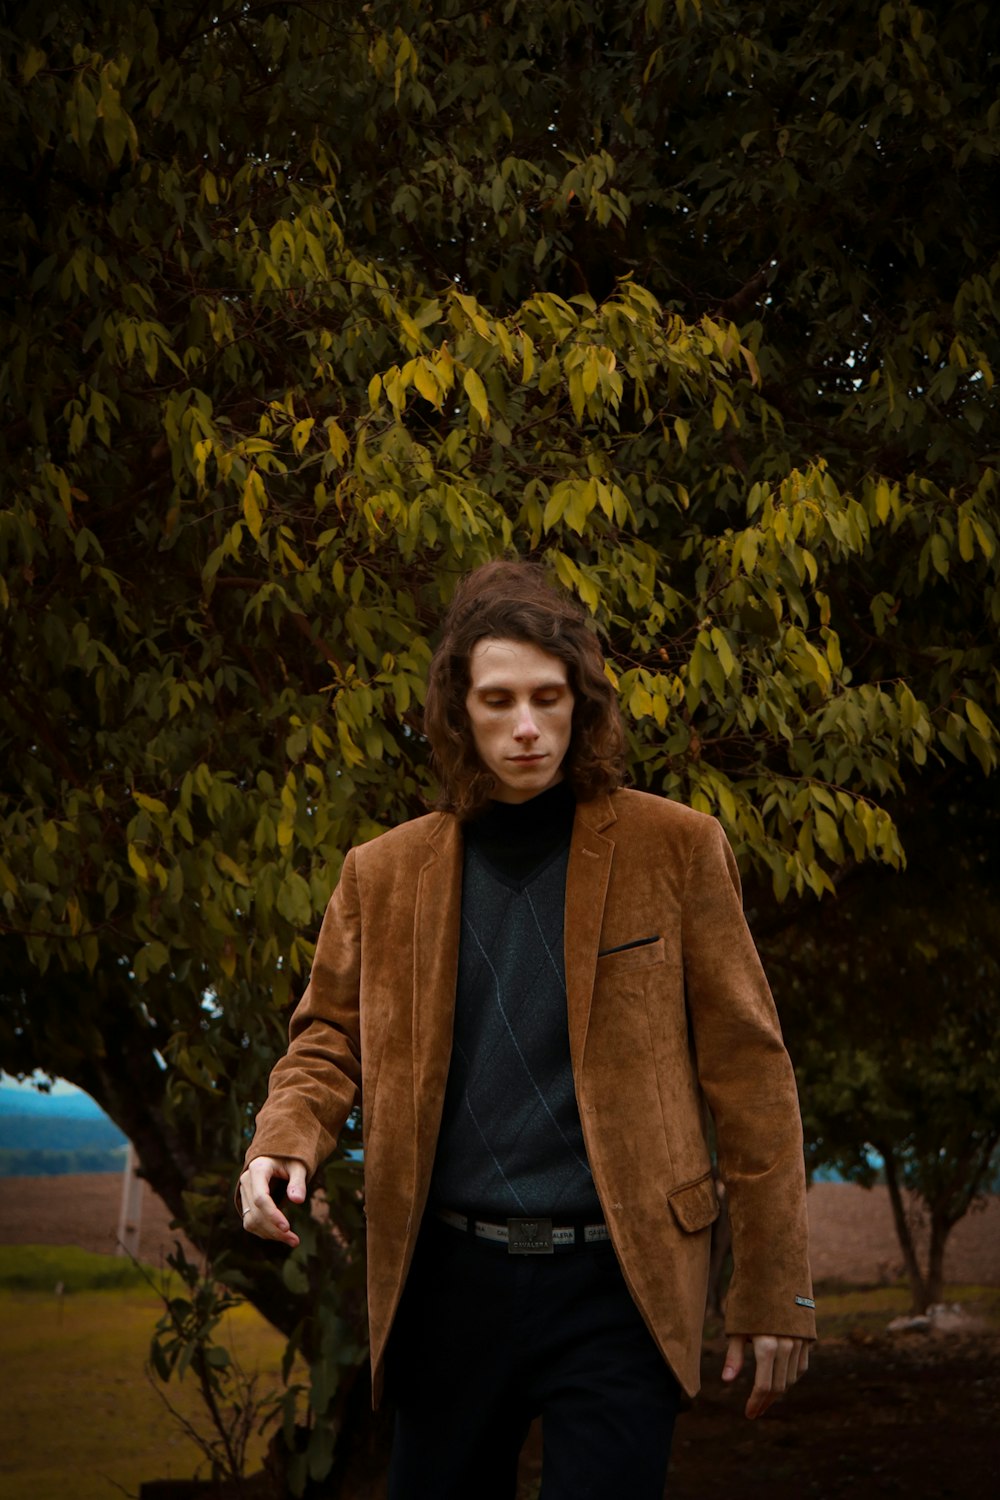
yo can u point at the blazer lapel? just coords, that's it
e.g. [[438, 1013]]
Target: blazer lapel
[[436, 931], [590, 857]]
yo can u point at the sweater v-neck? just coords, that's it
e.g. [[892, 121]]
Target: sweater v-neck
[[518, 838]]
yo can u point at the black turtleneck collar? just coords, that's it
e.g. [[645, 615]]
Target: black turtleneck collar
[[516, 837]]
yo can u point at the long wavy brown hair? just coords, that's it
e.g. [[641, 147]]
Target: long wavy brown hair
[[514, 601]]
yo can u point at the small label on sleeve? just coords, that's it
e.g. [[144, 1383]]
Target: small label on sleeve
[[804, 1302]]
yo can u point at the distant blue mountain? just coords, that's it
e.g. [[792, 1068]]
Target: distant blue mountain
[[31, 1132], [16, 1100], [55, 1133]]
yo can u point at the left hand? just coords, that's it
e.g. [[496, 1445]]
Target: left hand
[[778, 1364]]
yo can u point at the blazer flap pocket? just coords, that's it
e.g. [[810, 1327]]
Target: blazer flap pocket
[[696, 1205]]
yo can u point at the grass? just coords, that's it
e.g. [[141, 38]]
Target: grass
[[41, 1268], [842, 1310], [79, 1417]]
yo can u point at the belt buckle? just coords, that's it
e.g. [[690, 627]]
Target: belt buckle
[[529, 1237]]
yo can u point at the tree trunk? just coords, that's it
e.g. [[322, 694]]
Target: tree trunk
[[175, 1149], [920, 1299], [941, 1227]]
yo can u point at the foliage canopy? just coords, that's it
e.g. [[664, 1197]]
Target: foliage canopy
[[313, 309]]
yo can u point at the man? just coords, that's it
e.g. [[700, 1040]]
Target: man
[[537, 990]]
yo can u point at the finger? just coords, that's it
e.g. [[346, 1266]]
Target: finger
[[794, 1367], [261, 1215], [266, 1220], [297, 1181], [762, 1396], [733, 1362], [780, 1380]]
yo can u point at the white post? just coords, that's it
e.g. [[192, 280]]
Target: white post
[[130, 1217]]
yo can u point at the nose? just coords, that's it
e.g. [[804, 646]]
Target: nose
[[525, 729]]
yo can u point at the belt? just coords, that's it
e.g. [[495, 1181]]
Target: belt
[[524, 1236]]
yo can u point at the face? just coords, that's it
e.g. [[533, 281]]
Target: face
[[520, 708]]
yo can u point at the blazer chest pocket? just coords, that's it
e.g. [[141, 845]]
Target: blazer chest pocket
[[696, 1205], [621, 959]]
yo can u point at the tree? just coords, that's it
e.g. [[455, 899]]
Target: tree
[[903, 1055], [320, 307]]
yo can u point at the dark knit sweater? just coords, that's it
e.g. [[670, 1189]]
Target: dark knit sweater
[[511, 1140]]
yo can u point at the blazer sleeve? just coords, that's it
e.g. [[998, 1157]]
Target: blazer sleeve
[[313, 1088], [747, 1078]]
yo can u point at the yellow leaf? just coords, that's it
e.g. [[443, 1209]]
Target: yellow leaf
[[591, 373], [985, 540], [640, 701], [828, 836], [151, 804], [476, 392], [229, 867], [727, 802], [719, 412], [723, 651], [254, 500], [426, 384], [301, 433], [882, 500], [576, 394], [34, 60], [137, 862], [528, 350], [978, 719], [751, 364], [340, 445]]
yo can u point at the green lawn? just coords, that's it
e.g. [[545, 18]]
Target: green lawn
[[79, 1419]]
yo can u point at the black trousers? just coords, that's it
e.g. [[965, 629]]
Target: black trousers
[[486, 1341]]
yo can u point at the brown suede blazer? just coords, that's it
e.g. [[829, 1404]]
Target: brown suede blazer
[[656, 1032]]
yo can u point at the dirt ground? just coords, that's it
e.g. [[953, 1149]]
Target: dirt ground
[[914, 1415]]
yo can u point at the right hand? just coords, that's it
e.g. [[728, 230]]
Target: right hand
[[261, 1215]]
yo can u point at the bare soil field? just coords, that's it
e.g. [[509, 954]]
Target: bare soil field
[[852, 1237], [81, 1210]]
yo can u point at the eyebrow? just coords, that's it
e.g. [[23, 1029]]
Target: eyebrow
[[505, 687]]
